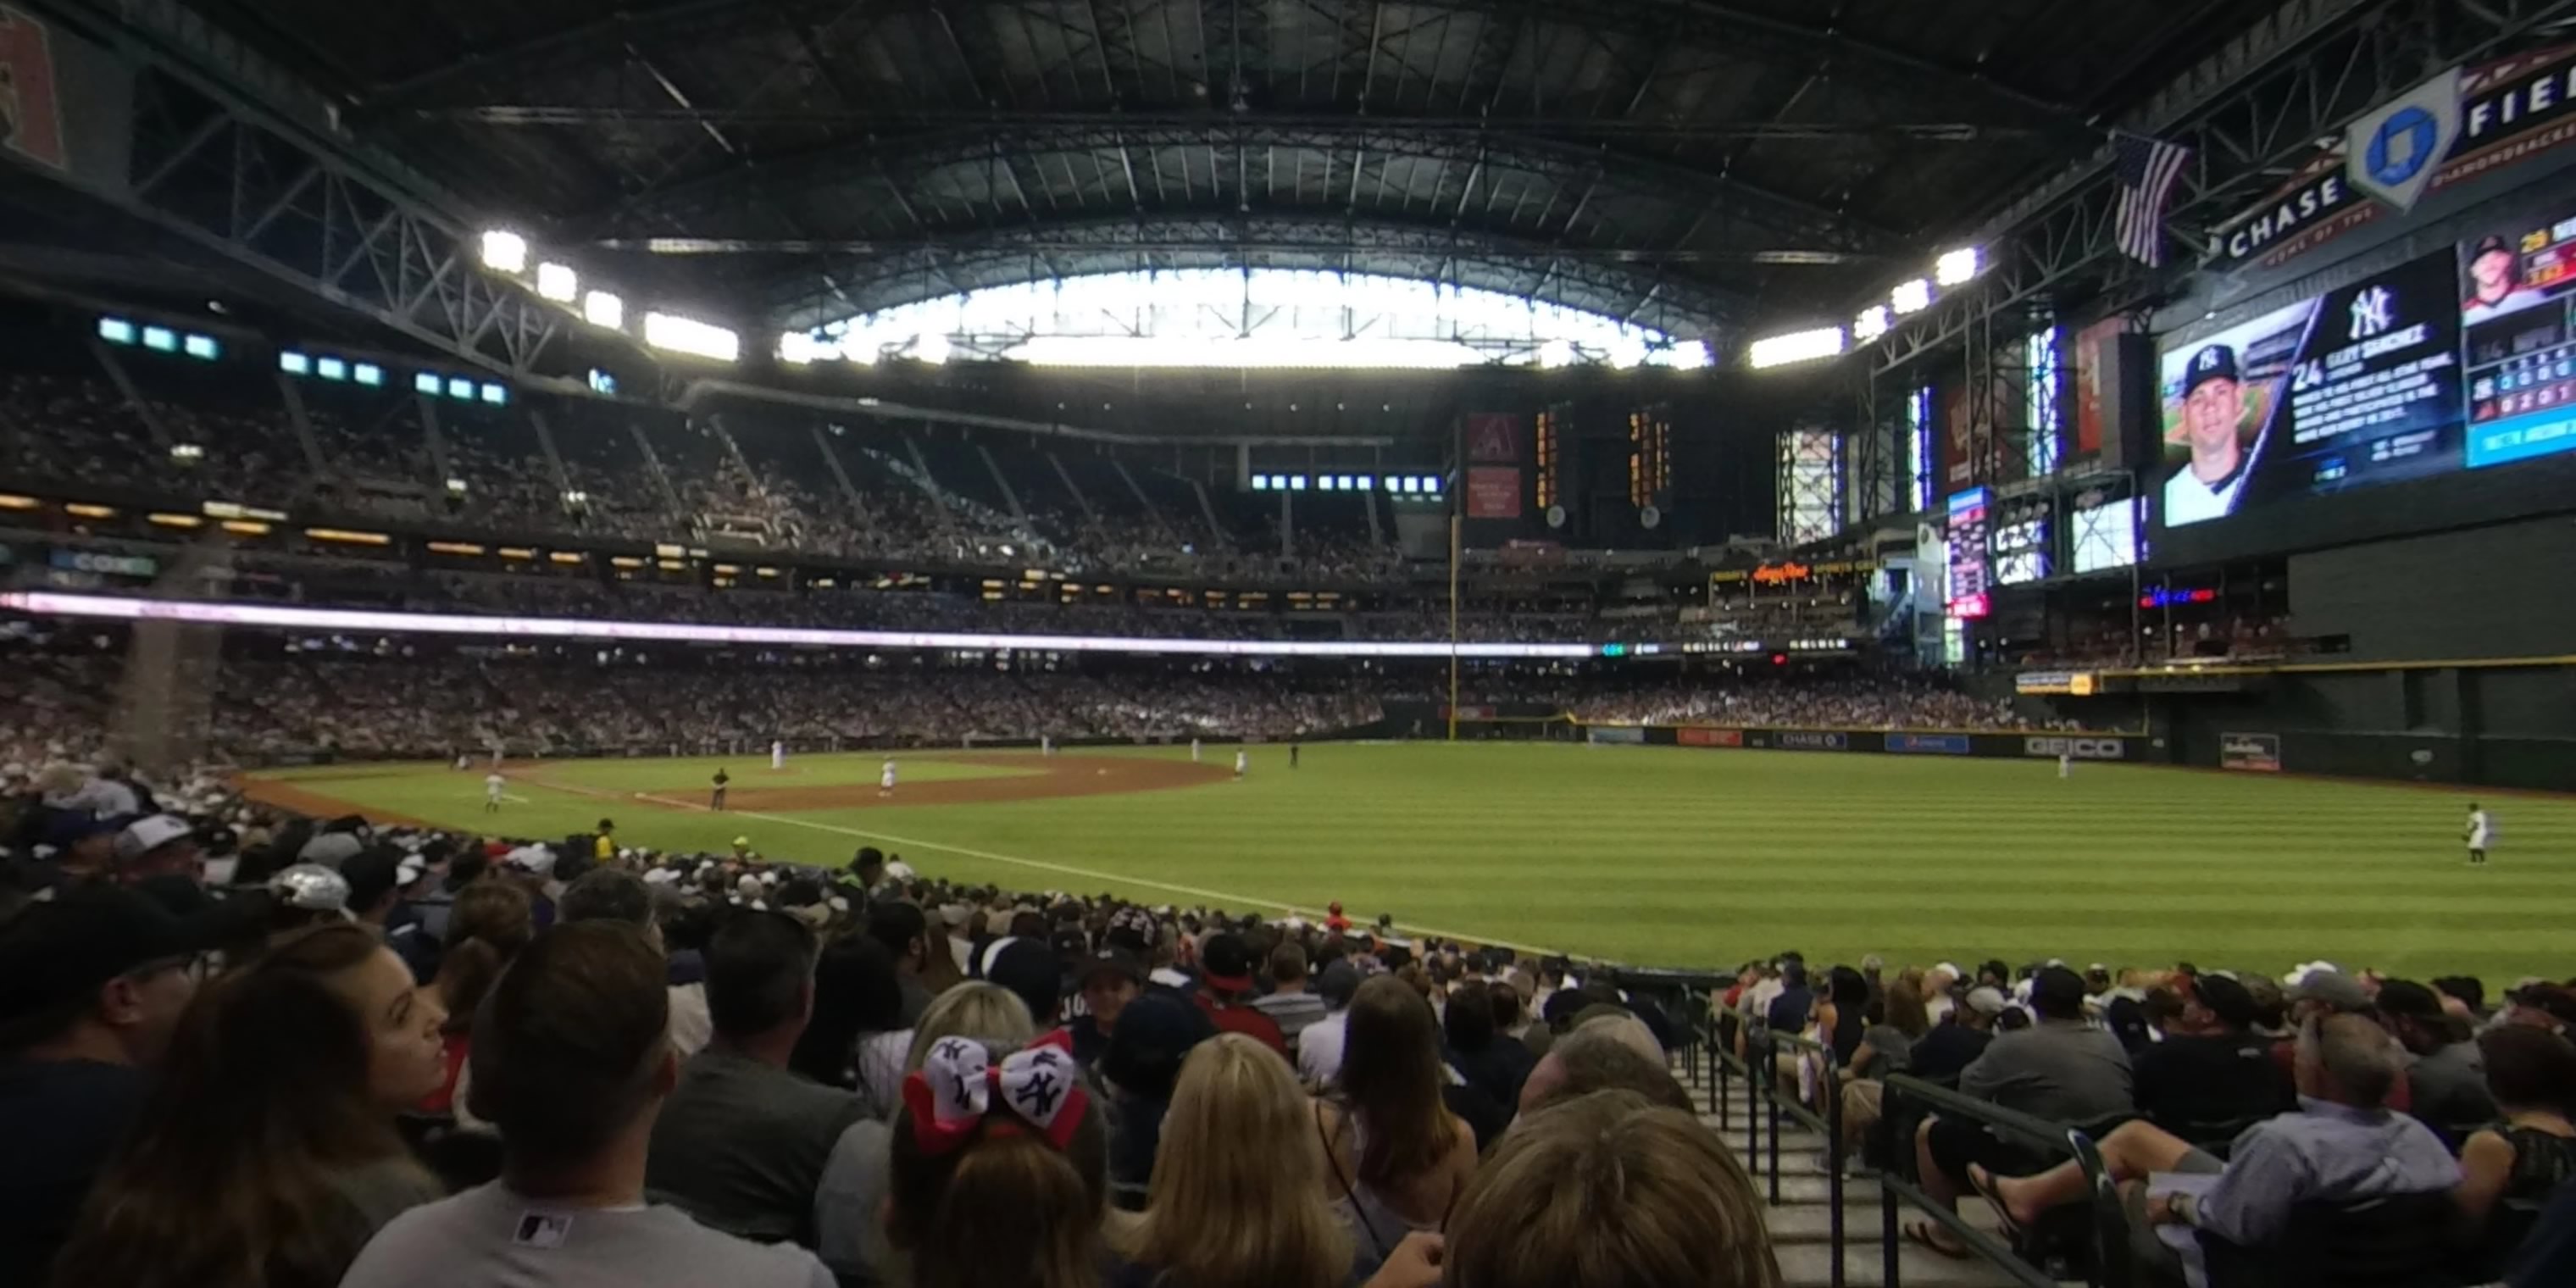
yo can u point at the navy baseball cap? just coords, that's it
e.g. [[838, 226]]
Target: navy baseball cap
[[2213, 362]]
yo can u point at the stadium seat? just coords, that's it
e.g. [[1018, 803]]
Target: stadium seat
[[2394, 1242]]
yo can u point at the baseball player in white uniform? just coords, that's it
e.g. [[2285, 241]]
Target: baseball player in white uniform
[[885, 779], [492, 784], [2481, 830]]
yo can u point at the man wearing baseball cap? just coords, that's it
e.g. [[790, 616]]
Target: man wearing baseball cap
[[1108, 980], [2213, 414], [2214, 1068], [1225, 990], [91, 984], [157, 845]]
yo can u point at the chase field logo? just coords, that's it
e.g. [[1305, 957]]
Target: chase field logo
[[2393, 153]]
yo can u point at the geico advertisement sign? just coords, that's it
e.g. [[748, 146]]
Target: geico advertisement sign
[[2078, 748]]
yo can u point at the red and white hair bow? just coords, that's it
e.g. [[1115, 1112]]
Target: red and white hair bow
[[955, 1088]]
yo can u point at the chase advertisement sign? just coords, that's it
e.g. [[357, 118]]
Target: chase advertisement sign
[[2456, 126], [1811, 740]]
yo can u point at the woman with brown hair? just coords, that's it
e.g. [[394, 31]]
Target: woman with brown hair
[[1610, 1190], [1233, 1201], [491, 922], [1000, 1171], [267, 1156], [1396, 1157]]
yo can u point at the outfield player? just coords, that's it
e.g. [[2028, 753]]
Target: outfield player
[[1242, 762], [463, 762], [715, 799], [777, 755], [2481, 830], [2066, 764], [1194, 751], [1292, 755], [1046, 745], [885, 779], [492, 784]]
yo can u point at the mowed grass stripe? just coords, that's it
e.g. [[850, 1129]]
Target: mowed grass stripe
[[1693, 857]]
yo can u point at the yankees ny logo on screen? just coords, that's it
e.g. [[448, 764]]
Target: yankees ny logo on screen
[[2373, 311]]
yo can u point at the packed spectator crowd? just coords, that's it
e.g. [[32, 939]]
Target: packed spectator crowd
[[2325, 1126], [360, 704], [660, 478], [1879, 702], [259, 1050]]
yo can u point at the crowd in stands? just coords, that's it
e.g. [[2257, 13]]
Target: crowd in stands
[[268, 708], [1873, 703], [2325, 1126], [258, 1050], [692, 481]]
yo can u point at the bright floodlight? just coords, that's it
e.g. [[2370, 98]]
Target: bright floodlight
[[1556, 353], [1872, 323], [601, 309], [1796, 346], [796, 348], [556, 282], [687, 335], [932, 347], [1911, 297], [505, 252], [1958, 266]]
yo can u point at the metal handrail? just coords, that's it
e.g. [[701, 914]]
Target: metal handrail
[[1829, 1124], [2110, 1224]]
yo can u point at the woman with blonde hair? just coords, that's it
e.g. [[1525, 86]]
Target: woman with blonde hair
[[1396, 1158], [1610, 1190], [1233, 1202], [850, 1234]]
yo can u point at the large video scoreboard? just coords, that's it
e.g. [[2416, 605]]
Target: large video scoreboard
[[2439, 368]]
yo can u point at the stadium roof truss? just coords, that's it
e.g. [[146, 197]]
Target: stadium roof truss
[[1682, 166]]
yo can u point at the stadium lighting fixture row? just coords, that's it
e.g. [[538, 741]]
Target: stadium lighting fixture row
[[1911, 297], [1795, 347], [1958, 267], [505, 251]]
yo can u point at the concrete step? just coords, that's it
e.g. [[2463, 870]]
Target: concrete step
[[1813, 1222], [1807, 1265], [1803, 1188]]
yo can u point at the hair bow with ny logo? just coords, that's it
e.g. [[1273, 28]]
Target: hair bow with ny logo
[[958, 1081]]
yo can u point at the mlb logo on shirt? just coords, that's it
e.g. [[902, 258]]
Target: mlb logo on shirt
[[543, 1230]]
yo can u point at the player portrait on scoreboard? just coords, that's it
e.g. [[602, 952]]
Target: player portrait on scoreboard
[[2221, 394]]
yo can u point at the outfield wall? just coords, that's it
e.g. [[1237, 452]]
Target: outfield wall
[[1970, 743]]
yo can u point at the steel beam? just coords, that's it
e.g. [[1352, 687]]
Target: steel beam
[[2251, 114]]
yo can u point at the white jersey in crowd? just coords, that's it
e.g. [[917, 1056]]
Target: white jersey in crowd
[[2188, 500], [2481, 829], [492, 785], [488, 1235]]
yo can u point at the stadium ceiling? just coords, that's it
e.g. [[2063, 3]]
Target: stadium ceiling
[[1696, 166]]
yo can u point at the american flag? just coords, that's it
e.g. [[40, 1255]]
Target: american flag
[[2147, 170]]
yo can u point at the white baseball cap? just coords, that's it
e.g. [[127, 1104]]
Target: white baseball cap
[[144, 835]]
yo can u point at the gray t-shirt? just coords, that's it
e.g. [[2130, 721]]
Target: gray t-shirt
[[2062, 1071], [488, 1235], [741, 1146]]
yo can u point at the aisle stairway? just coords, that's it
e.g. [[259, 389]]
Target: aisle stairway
[[1801, 1224]]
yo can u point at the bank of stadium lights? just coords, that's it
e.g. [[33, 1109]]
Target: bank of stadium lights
[[1796, 347], [1872, 323], [505, 251], [690, 336], [160, 339], [557, 282], [1958, 267]]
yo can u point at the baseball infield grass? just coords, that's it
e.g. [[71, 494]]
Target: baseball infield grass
[[1670, 856]]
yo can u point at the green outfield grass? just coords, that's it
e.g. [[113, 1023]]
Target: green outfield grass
[[1673, 856]]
